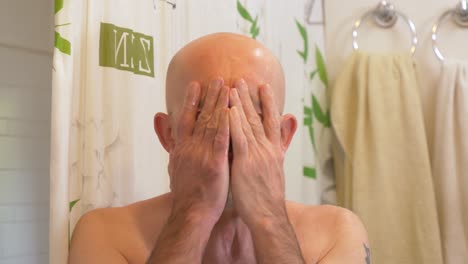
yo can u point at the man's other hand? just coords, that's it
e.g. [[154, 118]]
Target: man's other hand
[[257, 169]]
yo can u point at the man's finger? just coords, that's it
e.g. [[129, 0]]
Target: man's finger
[[221, 140], [208, 108], [189, 110], [213, 124], [271, 115], [239, 141], [249, 109], [244, 124]]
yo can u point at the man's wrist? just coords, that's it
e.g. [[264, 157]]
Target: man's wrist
[[275, 240], [195, 212], [269, 224], [202, 219], [269, 221], [185, 231]]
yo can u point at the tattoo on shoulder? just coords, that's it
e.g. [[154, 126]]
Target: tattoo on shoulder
[[367, 254]]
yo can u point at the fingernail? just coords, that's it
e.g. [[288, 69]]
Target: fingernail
[[268, 88], [240, 82], [216, 82]]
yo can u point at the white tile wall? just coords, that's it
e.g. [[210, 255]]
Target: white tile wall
[[26, 37]]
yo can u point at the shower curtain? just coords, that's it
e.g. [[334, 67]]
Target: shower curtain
[[108, 82], [105, 92]]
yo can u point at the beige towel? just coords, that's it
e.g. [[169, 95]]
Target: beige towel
[[450, 160], [386, 176]]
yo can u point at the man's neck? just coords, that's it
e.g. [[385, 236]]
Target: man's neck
[[230, 239]]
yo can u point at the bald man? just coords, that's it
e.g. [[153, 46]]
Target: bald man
[[226, 138]]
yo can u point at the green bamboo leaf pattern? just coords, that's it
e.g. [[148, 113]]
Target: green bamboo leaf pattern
[[58, 5], [305, 39], [254, 29], [70, 207], [322, 70], [307, 111], [308, 121], [312, 138], [323, 118], [243, 12], [301, 54], [62, 44], [310, 172], [254, 25], [312, 74], [255, 33], [72, 204]]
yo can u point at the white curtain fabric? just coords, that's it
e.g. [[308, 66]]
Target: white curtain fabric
[[450, 160], [106, 90], [108, 82]]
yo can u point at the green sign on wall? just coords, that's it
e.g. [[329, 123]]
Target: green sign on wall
[[127, 50]]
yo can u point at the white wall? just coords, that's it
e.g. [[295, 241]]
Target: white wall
[[339, 18], [26, 40]]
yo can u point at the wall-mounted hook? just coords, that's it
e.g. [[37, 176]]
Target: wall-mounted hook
[[460, 14], [166, 1], [385, 14]]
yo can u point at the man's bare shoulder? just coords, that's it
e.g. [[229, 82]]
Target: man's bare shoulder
[[331, 215], [337, 231], [125, 231], [92, 237], [136, 213]]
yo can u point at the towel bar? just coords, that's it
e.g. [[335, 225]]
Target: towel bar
[[459, 15], [385, 16]]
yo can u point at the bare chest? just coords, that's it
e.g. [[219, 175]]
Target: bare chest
[[213, 255], [222, 247]]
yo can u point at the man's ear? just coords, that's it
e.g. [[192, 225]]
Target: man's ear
[[288, 128], [162, 127]]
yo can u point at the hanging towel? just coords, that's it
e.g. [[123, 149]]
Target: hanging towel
[[450, 160], [386, 176]]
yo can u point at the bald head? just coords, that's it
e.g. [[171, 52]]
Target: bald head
[[228, 56]]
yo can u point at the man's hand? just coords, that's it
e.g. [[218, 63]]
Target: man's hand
[[257, 176], [199, 171], [198, 164], [257, 168]]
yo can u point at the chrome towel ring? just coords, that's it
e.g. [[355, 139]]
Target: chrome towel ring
[[385, 16], [459, 15]]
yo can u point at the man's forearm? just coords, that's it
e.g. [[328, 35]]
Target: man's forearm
[[182, 240], [275, 242]]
